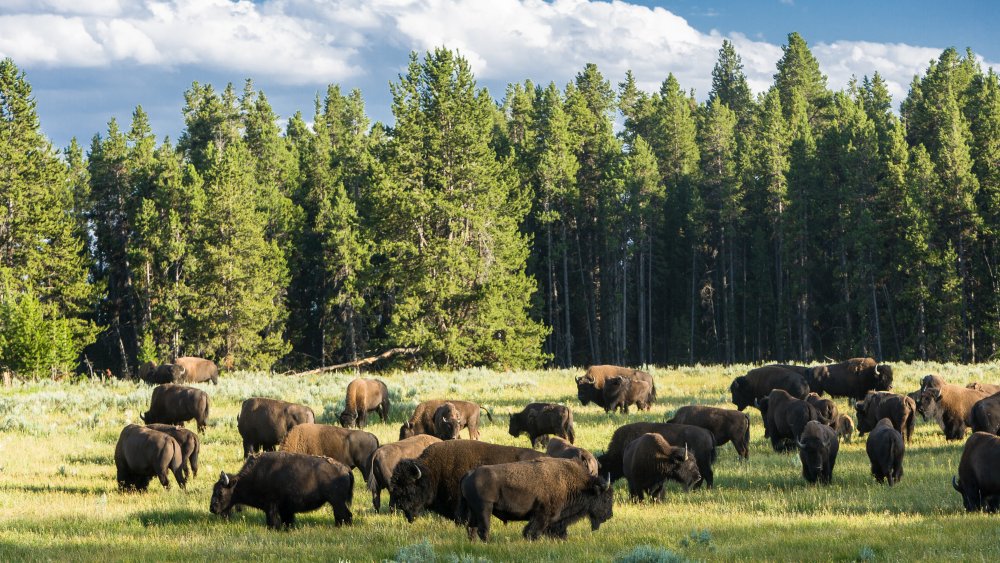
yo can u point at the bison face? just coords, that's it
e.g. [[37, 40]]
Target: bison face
[[222, 495], [682, 467], [586, 391], [515, 426], [741, 393], [601, 506], [410, 488], [407, 431], [928, 404], [883, 377], [348, 418]]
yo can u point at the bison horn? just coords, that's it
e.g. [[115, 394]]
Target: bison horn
[[418, 474], [876, 370], [606, 482], [224, 478], [800, 444], [685, 451], [954, 483]]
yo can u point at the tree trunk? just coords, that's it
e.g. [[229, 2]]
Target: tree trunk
[[568, 336], [878, 328], [693, 303]]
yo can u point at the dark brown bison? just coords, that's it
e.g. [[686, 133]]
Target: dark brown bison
[[844, 428], [758, 383], [189, 443], [143, 453], [422, 420], [986, 415], [163, 373], [853, 378], [900, 409], [951, 405], [385, 459], [650, 461], [283, 484], [826, 407], [550, 494], [588, 392], [558, 447], [785, 417], [198, 370], [885, 452], [699, 442], [431, 482], [537, 420], [978, 479], [353, 448], [264, 423], [725, 425], [146, 371], [364, 396], [818, 446], [590, 385], [621, 392], [177, 404]]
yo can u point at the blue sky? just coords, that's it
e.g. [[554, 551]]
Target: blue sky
[[91, 60]]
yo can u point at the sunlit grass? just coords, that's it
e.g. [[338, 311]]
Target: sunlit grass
[[58, 498]]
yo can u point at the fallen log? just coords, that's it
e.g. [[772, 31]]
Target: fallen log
[[362, 362]]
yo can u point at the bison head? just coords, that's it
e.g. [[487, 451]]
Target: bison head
[[587, 392], [601, 506], [411, 488], [741, 392], [222, 495], [862, 408], [883, 377], [679, 465], [448, 422], [407, 430], [931, 381], [930, 399], [814, 450], [516, 425], [348, 418]]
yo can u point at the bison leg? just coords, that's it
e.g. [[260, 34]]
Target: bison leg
[[287, 516], [377, 498], [481, 518], [635, 493], [272, 516], [247, 448], [341, 513], [473, 431], [540, 519], [164, 479]]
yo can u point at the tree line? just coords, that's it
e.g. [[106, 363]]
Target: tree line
[[796, 224]]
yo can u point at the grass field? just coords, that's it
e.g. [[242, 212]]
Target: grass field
[[58, 497]]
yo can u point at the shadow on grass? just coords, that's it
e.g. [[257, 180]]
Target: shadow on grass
[[90, 459], [150, 518], [48, 488]]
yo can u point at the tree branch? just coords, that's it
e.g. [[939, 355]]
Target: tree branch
[[362, 362]]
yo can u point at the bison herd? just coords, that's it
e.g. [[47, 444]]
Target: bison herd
[[305, 465]]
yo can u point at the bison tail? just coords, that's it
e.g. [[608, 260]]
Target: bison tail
[[571, 433], [488, 415], [746, 432], [911, 421], [652, 394], [370, 478]]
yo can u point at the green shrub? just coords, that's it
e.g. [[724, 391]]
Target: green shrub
[[649, 554]]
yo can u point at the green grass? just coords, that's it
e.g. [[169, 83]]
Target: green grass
[[58, 498]]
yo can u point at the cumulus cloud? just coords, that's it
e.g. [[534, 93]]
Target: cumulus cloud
[[304, 42]]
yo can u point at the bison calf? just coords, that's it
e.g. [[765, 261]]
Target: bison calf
[[649, 461], [264, 423], [283, 484], [551, 494], [177, 404], [540, 419], [844, 428], [726, 425], [188, 441], [818, 446], [558, 447], [364, 396], [385, 459], [143, 453], [885, 452]]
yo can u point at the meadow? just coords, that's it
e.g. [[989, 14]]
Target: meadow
[[58, 496]]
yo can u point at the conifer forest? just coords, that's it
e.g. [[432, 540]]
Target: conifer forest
[[546, 225]]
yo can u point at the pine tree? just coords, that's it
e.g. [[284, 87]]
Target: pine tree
[[729, 83], [798, 71]]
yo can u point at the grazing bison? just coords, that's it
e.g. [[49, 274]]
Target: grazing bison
[[699, 442], [978, 479], [537, 420], [364, 396], [725, 425], [853, 378], [590, 385], [649, 461], [198, 370], [900, 409], [550, 494], [986, 415], [163, 373], [951, 405], [353, 448], [844, 428], [422, 420], [885, 451], [431, 482], [558, 447], [384, 460], [189, 443], [759, 382], [143, 453], [621, 392], [785, 417], [826, 407], [264, 423], [283, 484], [818, 446], [177, 404]]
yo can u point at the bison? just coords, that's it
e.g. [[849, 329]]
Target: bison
[[785, 417], [885, 451], [537, 420], [550, 494], [590, 385], [951, 405], [422, 421], [725, 425], [384, 460], [177, 404], [143, 453], [190, 446], [364, 396], [986, 415], [978, 479], [700, 443], [197, 370], [163, 373], [853, 378], [431, 482], [649, 461], [283, 484], [826, 407], [558, 447], [353, 448], [900, 409], [818, 446], [264, 423], [758, 383], [620, 393], [844, 428], [588, 392]]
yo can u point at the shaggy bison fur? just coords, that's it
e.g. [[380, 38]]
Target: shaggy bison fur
[[725, 425], [650, 461], [197, 370], [143, 453], [620, 393], [978, 479], [853, 378], [538, 420], [351, 447], [423, 422], [700, 444], [818, 446], [558, 447], [986, 415], [949, 404], [900, 409], [785, 417], [264, 423], [758, 383], [177, 404], [384, 460], [885, 452]]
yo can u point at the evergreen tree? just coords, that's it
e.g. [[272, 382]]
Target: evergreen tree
[[729, 83], [798, 71]]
